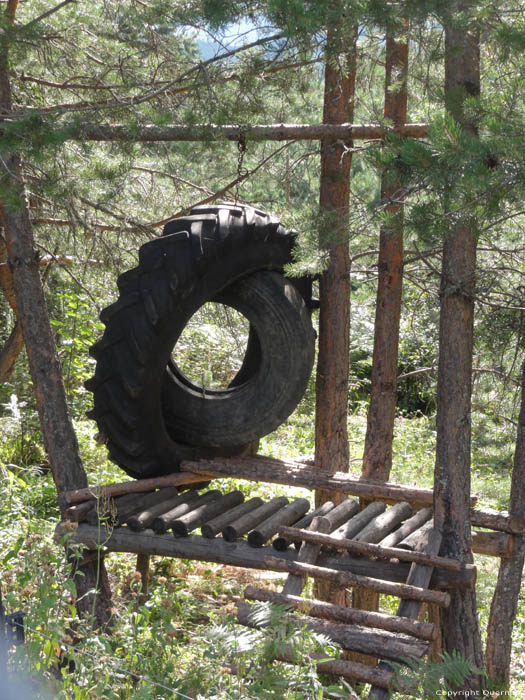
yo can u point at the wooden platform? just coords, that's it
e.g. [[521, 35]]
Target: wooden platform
[[390, 547], [383, 546]]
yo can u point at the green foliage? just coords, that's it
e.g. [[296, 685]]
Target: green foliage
[[111, 62], [250, 654], [430, 680], [22, 440], [211, 348]]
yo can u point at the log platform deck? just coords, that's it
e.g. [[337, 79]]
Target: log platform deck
[[390, 547]]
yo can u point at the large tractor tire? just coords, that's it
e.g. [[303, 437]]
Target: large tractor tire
[[151, 415]]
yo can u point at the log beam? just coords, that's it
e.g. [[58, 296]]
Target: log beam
[[124, 487], [347, 579], [339, 613], [233, 132], [371, 550], [240, 554], [293, 473], [352, 637]]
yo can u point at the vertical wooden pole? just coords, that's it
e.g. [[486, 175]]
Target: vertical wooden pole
[[452, 471], [14, 344], [377, 457], [142, 566], [331, 436], [23, 260], [331, 432], [508, 587], [434, 616]]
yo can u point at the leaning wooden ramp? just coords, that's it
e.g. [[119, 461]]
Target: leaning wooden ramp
[[371, 533], [387, 549]]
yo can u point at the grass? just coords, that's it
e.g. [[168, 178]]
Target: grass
[[178, 640]]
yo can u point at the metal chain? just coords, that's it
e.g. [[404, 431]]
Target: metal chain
[[241, 171]]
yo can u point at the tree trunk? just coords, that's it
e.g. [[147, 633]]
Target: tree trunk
[[331, 436], [15, 342], [377, 457], [57, 429], [506, 595], [331, 407], [452, 472], [10, 352]]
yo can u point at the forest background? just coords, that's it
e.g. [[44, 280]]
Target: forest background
[[94, 199]]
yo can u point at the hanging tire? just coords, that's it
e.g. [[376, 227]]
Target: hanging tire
[[151, 415]]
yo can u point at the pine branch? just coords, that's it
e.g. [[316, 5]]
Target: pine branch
[[48, 13], [204, 64], [222, 191]]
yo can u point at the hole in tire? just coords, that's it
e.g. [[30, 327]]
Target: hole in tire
[[211, 348]]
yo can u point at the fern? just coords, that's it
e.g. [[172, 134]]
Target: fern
[[427, 678], [250, 654]]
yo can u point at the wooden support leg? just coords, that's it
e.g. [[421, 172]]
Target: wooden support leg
[[143, 569], [434, 616]]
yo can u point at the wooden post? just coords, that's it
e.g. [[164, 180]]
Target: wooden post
[[239, 553], [216, 505], [331, 438], [409, 526], [118, 510], [145, 517], [359, 521], [143, 569], [247, 522], [289, 514], [217, 524], [162, 522], [282, 543], [452, 484], [377, 455], [351, 616], [370, 549], [93, 592], [15, 342], [506, 595], [380, 527], [352, 637], [347, 579], [428, 542]]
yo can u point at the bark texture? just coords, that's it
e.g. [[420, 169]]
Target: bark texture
[[452, 472], [344, 131], [23, 261], [377, 457], [15, 342], [505, 600], [331, 435]]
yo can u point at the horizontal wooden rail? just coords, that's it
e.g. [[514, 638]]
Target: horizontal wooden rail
[[496, 520], [122, 539], [352, 637], [294, 473], [234, 132], [297, 474], [345, 578], [374, 550], [353, 670], [124, 487], [339, 613], [492, 544]]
